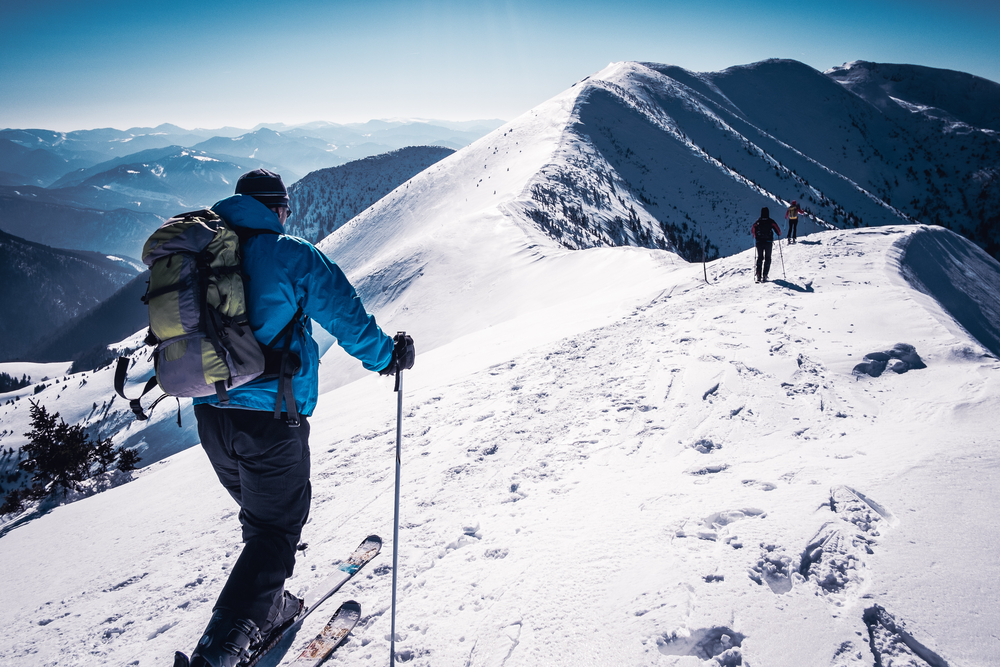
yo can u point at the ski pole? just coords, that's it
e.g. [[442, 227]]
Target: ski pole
[[704, 266], [395, 527], [782, 255]]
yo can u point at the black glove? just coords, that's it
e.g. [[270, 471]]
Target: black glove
[[403, 355]]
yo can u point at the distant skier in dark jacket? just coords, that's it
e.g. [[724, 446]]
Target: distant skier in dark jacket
[[763, 231], [792, 216], [258, 443]]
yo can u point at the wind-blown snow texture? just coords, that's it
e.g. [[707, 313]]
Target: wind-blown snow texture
[[699, 477]]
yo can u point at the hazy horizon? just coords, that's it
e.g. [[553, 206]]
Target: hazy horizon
[[112, 63]]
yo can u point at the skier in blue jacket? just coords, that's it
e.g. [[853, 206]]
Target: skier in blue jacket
[[258, 443]]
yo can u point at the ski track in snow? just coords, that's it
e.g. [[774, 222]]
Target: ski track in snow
[[696, 483]]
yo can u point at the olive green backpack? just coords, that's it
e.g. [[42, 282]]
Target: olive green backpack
[[197, 310]]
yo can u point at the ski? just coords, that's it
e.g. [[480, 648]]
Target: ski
[[332, 636], [363, 555], [317, 595]]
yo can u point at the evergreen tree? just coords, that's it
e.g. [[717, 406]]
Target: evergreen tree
[[56, 453], [104, 454], [127, 459], [14, 502]]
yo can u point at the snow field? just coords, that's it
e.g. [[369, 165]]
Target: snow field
[[697, 479], [591, 452]]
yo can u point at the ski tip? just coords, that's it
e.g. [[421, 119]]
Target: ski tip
[[181, 660], [373, 538]]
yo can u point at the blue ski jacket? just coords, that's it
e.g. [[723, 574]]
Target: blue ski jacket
[[285, 273]]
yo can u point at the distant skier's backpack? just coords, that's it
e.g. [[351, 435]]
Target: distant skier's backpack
[[197, 311], [762, 231]]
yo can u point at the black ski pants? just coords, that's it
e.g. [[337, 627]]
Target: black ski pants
[[763, 258], [793, 228], [264, 464]]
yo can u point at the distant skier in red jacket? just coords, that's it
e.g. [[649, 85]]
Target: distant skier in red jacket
[[763, 231]]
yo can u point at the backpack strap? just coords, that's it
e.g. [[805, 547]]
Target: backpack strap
[[121, 371], [289, 362], [286, 371]]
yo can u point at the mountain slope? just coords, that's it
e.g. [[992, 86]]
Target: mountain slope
[[86, 337], [657, 156], [950, 146], [936, 94], [699, 478], [324, 200], [44, 287], [37, 216]]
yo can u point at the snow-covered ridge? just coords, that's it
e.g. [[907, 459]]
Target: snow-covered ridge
[[326, 199]]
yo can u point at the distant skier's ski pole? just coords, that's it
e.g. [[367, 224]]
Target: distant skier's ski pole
[[395, 527], [782, 255], [704, 266]]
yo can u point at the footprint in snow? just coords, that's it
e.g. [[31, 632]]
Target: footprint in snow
[[757, 484], [892, 644], [715, 527], [704, 445], [719, 643], [857, 508], [834, 559], [774, 567]]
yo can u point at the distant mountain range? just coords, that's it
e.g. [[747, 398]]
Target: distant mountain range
[[326, 199], [44, 287], [61, 188], [41, 157]]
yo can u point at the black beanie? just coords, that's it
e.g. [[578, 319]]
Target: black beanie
[[764, 213], [264, 186]]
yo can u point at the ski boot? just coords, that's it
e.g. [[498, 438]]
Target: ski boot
[[285, 608], [227, 642]]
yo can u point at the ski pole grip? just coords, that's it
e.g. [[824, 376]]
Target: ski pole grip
[[403, 355], [400, 338]]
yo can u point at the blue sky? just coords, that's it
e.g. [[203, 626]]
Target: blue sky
[[109, 63]]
